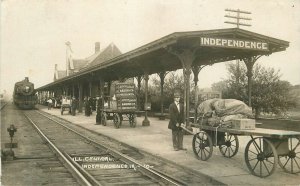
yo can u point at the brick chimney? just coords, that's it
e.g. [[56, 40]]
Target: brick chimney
[[55, 73], [97, 47]]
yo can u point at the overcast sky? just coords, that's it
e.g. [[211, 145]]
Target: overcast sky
[[34, 32]]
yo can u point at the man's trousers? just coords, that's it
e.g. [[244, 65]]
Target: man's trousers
[[177, 137]]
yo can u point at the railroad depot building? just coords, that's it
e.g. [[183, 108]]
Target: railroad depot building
[[74, 66], [190, 51]]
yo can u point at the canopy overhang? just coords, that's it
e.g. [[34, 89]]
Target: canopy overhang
[[208, 47]]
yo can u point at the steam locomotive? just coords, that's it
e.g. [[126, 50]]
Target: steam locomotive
[[24, 94]]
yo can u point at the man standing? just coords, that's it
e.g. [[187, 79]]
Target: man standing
[[99, 109], [176, 120], [87, 106], [49, 103], [73, 106]]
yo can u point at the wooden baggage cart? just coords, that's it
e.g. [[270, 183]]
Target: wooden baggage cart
[[118, 116], [66, 105], [266, 148], [124, 108]]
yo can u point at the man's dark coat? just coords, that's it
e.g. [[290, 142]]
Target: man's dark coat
[[175, 116]]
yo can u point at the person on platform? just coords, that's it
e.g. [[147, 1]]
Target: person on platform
[[49, 101], [65, 104], [91, 105], [87, 106], [99, 107], [73, 106], [176, 120]]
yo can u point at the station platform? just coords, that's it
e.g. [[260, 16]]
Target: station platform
[[157, 140]]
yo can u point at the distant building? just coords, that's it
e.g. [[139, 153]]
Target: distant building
[[76, 65], [207, 93]]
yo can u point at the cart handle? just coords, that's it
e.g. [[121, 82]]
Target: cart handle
[[187, 130]]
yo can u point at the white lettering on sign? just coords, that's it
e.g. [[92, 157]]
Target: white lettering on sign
[[93, 159], [233, 43], [126, 90], [105, 166], [129, 108], [128, 100], [113, 166], [125, 94], [128, 104]]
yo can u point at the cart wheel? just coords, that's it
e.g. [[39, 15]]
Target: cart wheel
[[230, 146], [261, 157], [132, 120], [117, 120], [202, 146], [103, 118], [291, 161]]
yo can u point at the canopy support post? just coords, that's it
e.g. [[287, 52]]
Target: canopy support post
[[146, 122], [186, 57], [80, 89], [101, 91], [249, 62], [90, 88], [162, 76], [139, 79]]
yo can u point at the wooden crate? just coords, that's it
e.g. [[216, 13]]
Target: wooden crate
[[125, 90], [126, 103], [125, 95], [243, 124]]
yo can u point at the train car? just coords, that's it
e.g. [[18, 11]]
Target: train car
[[24, 94]]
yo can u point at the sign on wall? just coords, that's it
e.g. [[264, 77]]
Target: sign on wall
[[233, 43]]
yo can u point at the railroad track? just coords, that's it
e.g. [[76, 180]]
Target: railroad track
[[32, 162], [2, 105], [92, 163]]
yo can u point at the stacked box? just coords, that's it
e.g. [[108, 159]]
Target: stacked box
[[243, 124], [125, 90], [125, 95], [126, 103]]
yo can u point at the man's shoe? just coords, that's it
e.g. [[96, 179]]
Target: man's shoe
[[182, 149], [175, 149]]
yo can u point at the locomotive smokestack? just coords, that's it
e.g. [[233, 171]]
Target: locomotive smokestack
[[97, 47], [26, 79]]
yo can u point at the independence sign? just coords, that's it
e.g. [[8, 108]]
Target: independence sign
[[233, 43]]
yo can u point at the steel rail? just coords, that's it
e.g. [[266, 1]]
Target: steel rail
[[124, 157], [78, 175], [3, 105], [87, 175]]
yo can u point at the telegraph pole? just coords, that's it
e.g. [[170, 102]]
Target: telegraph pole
[[237, 17], [237, 21]]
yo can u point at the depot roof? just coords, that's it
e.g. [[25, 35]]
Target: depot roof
[[208, 46]]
